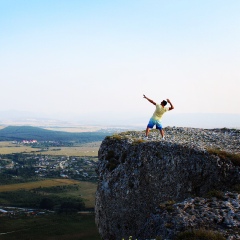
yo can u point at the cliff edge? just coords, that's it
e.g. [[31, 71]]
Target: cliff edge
[[146, 189]]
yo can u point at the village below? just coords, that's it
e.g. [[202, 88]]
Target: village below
[[48, 183], [20, 165]]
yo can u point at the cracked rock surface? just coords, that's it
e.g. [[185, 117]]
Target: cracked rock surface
[[139, 178]]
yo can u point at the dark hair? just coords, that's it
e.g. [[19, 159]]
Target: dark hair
[[164, 103]]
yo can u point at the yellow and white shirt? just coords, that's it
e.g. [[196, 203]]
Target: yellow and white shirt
[[160, 110]]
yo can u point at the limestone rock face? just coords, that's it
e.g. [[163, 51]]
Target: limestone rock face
[[136, 176]]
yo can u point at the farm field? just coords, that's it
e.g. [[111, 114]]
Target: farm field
[[32, 185], [75, 226], [50, 227], [53, 226], [88, 149], [86, 189]]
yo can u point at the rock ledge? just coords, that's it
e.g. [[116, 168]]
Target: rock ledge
[[137, 177]]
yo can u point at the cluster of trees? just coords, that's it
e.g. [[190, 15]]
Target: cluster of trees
[[35, 199], [25, 172], [47, 144], [66, 206], [58, 189], [8, 176]]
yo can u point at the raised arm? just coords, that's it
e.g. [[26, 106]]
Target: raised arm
[[151, 101], [171, 106]]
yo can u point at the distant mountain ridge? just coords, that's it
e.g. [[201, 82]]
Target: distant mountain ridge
[[196, 120], [18, 133]]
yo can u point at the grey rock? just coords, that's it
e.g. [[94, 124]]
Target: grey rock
[[140, 181]]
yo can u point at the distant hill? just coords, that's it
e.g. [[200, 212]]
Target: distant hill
[[18, 133]]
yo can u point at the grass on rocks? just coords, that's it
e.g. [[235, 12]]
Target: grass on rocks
[[234, 158], [200, 234], [215, 193]]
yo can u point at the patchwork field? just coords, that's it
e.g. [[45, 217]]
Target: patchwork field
[[88, 149], [43, 183], [53, 226], [86, 189]]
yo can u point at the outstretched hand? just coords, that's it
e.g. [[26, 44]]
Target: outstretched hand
[[171, 106], [144, 96]]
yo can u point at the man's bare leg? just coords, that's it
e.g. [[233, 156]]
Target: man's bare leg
[[162, 132], [147, 131]]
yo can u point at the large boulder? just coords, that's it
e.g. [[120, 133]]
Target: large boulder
[[137, 176]]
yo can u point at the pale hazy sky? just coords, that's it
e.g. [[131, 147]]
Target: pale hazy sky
[[97, 58]]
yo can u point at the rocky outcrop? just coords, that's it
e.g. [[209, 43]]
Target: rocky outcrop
[[138, 177]]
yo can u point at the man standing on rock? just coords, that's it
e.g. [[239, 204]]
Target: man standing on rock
[[157, 115]]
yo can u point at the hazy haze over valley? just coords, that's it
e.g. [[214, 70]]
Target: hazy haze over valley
[[81, 123]]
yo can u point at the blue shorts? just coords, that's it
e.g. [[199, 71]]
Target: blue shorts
[[153, 122]]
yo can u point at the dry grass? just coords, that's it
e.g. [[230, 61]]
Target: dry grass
[[234, 158], [87, 191], [200, 234], [13, 149], [215, 193], [37, 184], [73, 151]]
